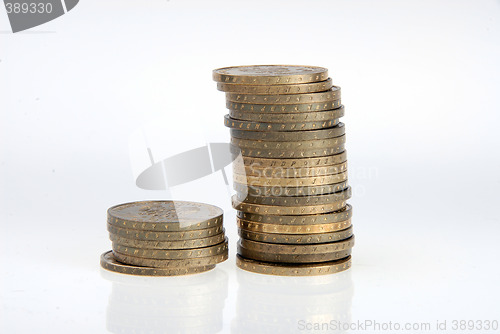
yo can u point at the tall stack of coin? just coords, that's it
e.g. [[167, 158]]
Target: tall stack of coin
[[165, 238], [290, 173]]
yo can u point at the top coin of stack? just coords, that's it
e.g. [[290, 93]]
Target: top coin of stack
[[165, 238], [291, 180]]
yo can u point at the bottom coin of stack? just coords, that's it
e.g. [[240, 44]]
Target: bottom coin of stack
[[165, 238]]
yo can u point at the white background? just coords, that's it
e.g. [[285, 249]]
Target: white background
[[420, 82]]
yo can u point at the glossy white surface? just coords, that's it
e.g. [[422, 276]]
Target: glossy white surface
[[420, 84]]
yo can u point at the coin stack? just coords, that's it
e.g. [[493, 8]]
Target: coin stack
[[165, 238], [289, 170]]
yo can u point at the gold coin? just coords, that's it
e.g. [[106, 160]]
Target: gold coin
[[276, 89], [291, 258], [289, 191], [283, 108], [340, 216], [239, 168], [109, 262], [315, 116], [261, 126], [165, 216], [164, 236], [287, 154], [328, 247], [293, 229], [288, 210], [335, 131], [313, 238], [282, 269], [270, 74], [295, 200], [171, 264], [175, 244], [290, 182], [298, 162], [171, 254], [330, 95], [290, 145]]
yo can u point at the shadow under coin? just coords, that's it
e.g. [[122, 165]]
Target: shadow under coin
[[276, 304], [182, 304]]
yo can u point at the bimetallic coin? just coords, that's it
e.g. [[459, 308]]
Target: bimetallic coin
[[270, 74], [171, 264], [283, 108], [291, 258], [176, 244], [293, 229], [282, 269], [109, 262], [287, 210], [171, 254], [342, 216], [290, 145], [239, 168], [335, 131], [164, 236], [330, 95], [298, 162], [165, 216], [314, 238], [314, 116], [290, 182], [289, 191], [295, 201], [276, 89], [260, 126], [329, 247]]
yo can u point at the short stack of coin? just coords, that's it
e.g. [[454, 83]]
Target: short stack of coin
[[165, 238], [290, 169]]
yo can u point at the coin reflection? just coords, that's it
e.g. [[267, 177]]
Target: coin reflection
[[275, 304], [183, 304]]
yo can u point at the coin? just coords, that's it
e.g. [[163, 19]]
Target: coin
[[290, 182], [293, 229], [340, 216], [165, 216], [289, 191], [183, 263], [328, 247], [314, 116], [287, 154], [295, 201], [298, 162], [176, 244], [287, 210], [109, 262], [240, 169], [164, 236], [313, 238], [276, 89], [290, 145], [270, 74], [291, 258], [335, 131], [171, 254], [282, 269], [261, 126], [283, 108], [320, 97]]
